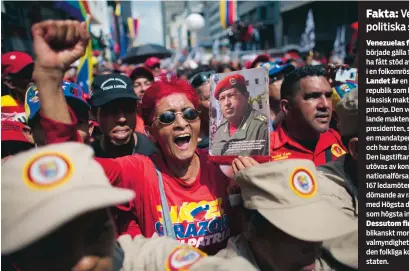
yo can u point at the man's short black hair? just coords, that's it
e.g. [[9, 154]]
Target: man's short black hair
[[289, 87]]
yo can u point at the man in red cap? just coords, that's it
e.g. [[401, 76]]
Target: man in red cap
[[16, 72], [241, 123], [259, 59], [14, 138], [153, 63], [307, 106]]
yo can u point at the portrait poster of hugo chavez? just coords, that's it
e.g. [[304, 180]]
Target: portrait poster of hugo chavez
[[239, 116]]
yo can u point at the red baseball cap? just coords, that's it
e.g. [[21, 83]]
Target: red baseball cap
[[152, 61], [229, 82], [260, 58], [291, 55], [14, 62], [13, 131]]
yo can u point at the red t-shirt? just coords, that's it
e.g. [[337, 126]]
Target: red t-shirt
[[199, 211], [140, 125], [12, 110], [329, 147]]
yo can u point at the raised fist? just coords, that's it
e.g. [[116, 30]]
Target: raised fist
[[58, 44]]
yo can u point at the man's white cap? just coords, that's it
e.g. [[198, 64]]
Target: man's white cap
[[44, 188]]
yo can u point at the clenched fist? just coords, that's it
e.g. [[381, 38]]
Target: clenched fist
[[58, 44]]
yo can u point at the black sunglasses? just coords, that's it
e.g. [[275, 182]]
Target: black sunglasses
[[168, 117], [200, 78]]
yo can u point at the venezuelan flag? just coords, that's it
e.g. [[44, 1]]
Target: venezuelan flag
[[85, 73], [133, 27], [77, 9], [83, 4], [228, 12]]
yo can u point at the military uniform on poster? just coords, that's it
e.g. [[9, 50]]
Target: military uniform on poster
[[253, 129]]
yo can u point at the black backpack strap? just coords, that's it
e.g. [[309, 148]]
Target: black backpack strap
[[328, 155]]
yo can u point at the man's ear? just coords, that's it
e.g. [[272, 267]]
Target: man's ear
[[285, 106], [353, 147], [28, 133]]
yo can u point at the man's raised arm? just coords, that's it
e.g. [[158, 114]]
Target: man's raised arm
[[57, 44]]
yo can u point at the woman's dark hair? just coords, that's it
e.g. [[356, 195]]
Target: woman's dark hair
[[221, 68], [181, 72]]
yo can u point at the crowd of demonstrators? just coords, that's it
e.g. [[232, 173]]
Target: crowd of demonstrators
[[16, 74], [276, 75], [76, 100], [243, 35], [61, 220], [169, 110], [307, 107], [149, 134], [343, 172], [14, 138], [201, 83], [114, 104], [153, 63], [272, 238]]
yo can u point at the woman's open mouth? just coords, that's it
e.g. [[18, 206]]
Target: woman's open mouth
[[182, 141]]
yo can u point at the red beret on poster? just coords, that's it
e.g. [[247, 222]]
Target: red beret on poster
[[228, 83]]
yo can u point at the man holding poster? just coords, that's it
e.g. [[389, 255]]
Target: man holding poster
[[243, 130]]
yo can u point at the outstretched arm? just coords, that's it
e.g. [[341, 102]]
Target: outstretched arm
[[57, 44]]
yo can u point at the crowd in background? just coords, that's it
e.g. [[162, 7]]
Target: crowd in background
[[148, 127]]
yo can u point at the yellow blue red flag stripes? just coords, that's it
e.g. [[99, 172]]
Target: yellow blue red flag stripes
[[133, 25], [77, 9], [85, 73], [228, 12]]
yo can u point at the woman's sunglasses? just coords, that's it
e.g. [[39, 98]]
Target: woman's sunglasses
[[169, 117], [200, 78]]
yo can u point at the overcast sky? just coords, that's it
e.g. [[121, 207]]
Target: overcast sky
[[150, 21]]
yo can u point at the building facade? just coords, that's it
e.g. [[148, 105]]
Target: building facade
[[281, 23], [213, 20], [177, 35], [174, 30], [327, 17]]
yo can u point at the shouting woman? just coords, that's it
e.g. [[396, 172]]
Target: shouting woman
[[178, 192]]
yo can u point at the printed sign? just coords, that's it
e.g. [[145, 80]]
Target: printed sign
[[239, 123]]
